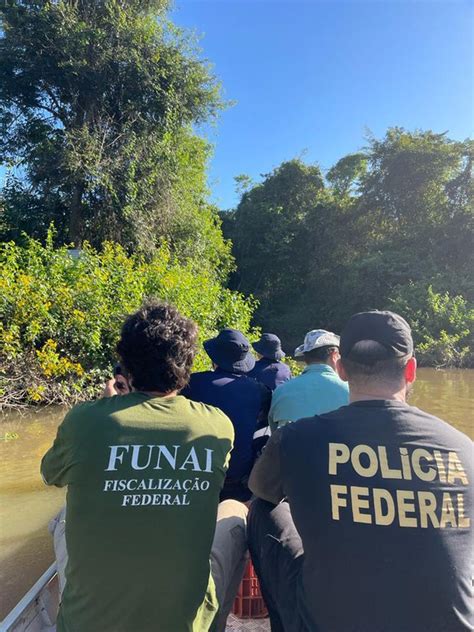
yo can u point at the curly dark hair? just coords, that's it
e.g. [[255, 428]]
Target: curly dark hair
[[157, 347]]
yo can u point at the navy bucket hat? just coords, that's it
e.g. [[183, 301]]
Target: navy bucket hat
[[269, 346], [230, 350]]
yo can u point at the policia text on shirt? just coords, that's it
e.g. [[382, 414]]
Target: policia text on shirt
[[407, 508]]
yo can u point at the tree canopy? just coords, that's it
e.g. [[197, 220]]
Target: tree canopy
[[97, 103], [388, 224]]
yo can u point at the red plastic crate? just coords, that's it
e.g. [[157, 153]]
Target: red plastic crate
[[249, 602]]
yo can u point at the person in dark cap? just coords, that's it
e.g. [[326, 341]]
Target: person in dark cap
[[268, 369], [376, 530], [244, 400]]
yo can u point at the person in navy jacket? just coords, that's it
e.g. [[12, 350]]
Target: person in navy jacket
[[244, 400], [268, 369]]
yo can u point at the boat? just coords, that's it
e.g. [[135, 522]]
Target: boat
[[37, 611]]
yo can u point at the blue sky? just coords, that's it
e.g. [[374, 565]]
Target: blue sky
[[311, 77]]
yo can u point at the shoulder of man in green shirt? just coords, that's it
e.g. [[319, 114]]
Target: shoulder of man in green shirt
[[92, 417]]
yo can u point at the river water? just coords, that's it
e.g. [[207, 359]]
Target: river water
[[26, 504]]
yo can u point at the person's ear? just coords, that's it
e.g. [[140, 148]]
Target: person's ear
[[410, 371], [341, 370]]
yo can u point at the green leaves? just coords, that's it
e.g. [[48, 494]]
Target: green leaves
[[62, 316], [397, 216], [347, 173], [443, 324], [97, 100]]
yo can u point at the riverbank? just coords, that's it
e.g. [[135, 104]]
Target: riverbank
[[62, 316], [68, 395], [446, 393]]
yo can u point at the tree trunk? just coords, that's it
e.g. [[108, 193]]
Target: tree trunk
[[76, 228]]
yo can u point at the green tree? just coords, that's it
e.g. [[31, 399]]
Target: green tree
[[410, 219], [443, 325], [398, 213], [97, 100], [347, 173], [415, 214], [269, 241], [61, 316], [266, 221]]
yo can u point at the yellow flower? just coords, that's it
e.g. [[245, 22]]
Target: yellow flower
[[35, 393]]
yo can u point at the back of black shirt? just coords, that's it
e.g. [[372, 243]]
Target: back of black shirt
[[381, 494]]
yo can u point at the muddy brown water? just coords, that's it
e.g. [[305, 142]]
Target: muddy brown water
[[26, 504]]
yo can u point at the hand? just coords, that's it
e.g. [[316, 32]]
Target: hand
[[116, 386]]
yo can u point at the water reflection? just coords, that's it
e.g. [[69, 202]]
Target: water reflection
[[26, 504], [448, 394]]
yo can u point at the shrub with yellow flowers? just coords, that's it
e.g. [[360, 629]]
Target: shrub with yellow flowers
[[61, 315]]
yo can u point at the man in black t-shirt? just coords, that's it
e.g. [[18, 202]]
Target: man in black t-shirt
[[375, 535]]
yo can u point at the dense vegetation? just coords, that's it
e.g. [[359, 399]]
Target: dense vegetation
[[62, 316], [99, 103], [389, 227], [97, 100]]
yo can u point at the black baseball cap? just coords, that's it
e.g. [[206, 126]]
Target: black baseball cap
[[387, 328]]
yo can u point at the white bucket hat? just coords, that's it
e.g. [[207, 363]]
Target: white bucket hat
[[315, 339]]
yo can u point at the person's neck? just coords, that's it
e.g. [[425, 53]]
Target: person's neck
[[320, 364], [367, 394], [157, 393]]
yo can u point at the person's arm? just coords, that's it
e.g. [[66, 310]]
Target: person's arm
[[265, 479], [56, 463], [271, 422], [283, 374], [262, 431], [266, 400]]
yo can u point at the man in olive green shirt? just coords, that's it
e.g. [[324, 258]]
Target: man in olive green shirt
[[144, 471]]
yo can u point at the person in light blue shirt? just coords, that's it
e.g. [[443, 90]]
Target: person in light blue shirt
[[318, 389]]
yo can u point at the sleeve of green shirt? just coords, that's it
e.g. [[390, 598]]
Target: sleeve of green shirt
[[265, 479], [56, 463]]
